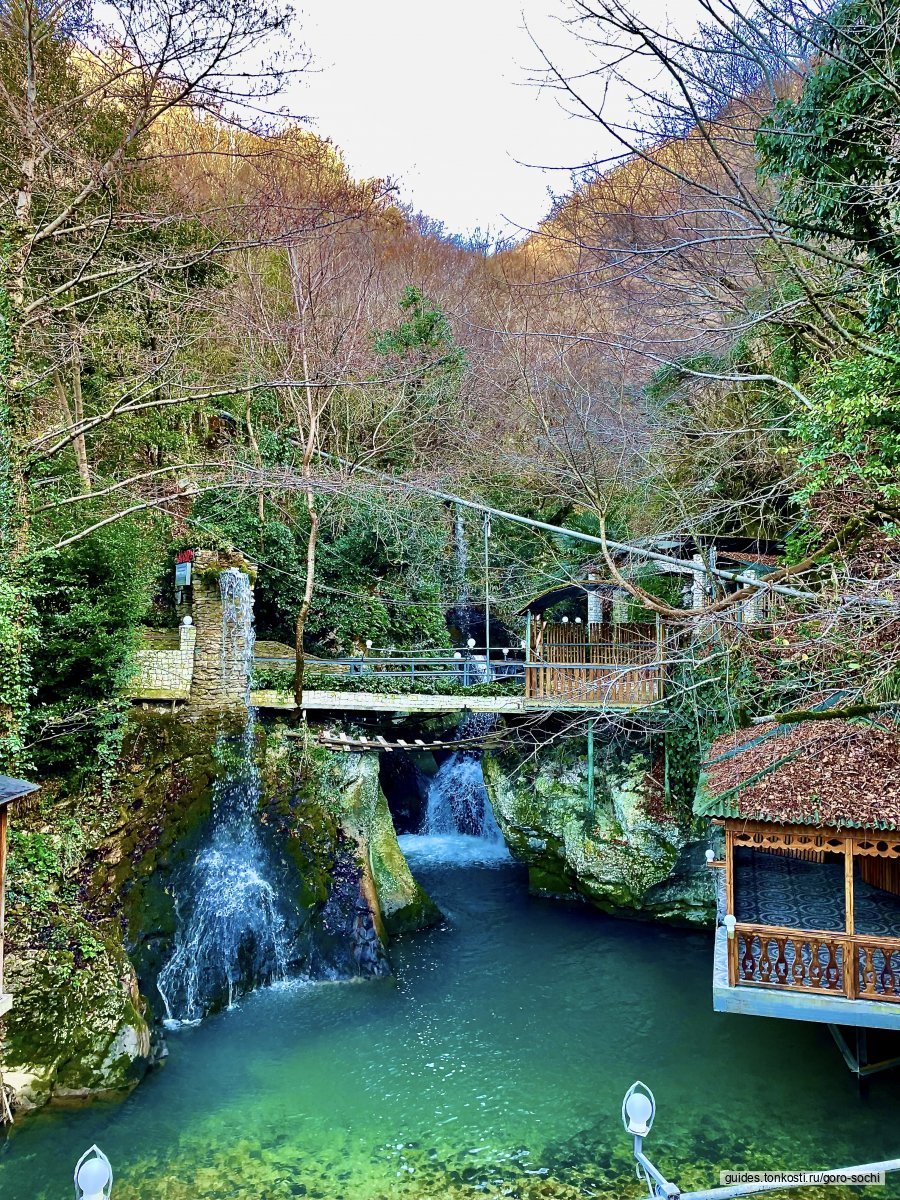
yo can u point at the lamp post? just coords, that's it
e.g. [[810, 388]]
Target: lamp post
[[470, 643], [638, 1111], [93, 1176]]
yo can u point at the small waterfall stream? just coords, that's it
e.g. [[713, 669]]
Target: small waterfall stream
[[231, 934], [461, 559], [459, 824]]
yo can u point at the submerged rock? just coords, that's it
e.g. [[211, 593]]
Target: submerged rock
[[628, 853]]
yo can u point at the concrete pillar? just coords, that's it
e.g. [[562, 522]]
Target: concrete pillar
[[701, 589], [751, 609], [222, 655], [619, 606]]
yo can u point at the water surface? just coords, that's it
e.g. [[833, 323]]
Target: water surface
[[492, 1064]]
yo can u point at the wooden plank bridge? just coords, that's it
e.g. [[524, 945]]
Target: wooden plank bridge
[[360, 744]]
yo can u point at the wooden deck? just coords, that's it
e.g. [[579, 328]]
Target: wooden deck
[[817, 925], [795, 1003]]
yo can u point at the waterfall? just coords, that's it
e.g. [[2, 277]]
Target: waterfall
[[458, 802], [461, 557], [238, 630], [231, 934]]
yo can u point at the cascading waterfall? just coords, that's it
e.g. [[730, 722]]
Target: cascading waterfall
[[461, 556], [458, 802], [231, 934]]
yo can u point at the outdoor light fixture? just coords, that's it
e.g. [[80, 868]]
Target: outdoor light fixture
[[565, 620], [638, 1111], [368, 643], [505, 651], [470, 642], [578, 620], [524, 645], [456, 654], [93, 1176], [710, 856], [729, 921]]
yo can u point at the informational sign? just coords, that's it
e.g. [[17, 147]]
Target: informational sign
[[183, 562]]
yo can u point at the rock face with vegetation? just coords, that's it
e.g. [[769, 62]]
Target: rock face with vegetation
[[628, 853], [92, 914], [341, 795]]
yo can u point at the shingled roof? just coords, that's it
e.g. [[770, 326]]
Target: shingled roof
[[829, 773]]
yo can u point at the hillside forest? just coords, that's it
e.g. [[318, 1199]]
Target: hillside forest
[[213, 335]]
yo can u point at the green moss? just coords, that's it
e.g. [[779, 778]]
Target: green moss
[[626, 853]]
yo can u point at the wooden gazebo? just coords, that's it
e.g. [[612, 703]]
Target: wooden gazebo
[[810, 899], [10, 790]]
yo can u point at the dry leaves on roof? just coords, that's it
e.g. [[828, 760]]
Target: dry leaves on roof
[[829, 773]]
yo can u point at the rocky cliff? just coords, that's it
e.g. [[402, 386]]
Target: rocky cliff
[[628, 853], [91, 912]]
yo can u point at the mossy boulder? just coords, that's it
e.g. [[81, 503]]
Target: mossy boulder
[[345, 790], [88, 911], [626, 853]]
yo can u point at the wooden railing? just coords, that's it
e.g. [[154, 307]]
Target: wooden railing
[[855, 966], [595, 664]]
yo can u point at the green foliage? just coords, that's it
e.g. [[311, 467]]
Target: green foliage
[[851, 436], [423, 684], [89, 600], [379, 573], [41, 862], [424, 338], [832, 150]]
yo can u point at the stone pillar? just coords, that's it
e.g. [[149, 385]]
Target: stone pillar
[[594, 603], [619, 606], [751, 609], [223, 651], [187, 636], [701, 589]]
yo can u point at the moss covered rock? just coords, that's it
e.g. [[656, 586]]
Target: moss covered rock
[[346, 789], [625, 853]]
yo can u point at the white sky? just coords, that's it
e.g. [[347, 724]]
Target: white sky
[[436, 95]]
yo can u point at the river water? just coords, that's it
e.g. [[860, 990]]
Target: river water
[[492, 1064]]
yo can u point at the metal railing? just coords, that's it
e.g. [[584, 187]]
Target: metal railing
[[468, 668]]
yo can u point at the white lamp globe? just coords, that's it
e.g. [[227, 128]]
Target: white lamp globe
[[710, 856], [368, 643], [639, 1110], [470, 642], [93, 1176]]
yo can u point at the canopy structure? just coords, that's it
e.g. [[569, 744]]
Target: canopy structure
[[13, 789], [810, 902]]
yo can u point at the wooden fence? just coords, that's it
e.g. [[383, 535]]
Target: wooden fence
[[598, 665]]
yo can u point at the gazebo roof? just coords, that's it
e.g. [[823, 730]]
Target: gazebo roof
[[13, 789], [828, 772]]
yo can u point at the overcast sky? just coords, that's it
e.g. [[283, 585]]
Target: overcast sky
[[436, 95]]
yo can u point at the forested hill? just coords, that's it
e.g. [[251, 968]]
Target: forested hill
[[213, 335]]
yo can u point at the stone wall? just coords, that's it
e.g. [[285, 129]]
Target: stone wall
[[165, 674]]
